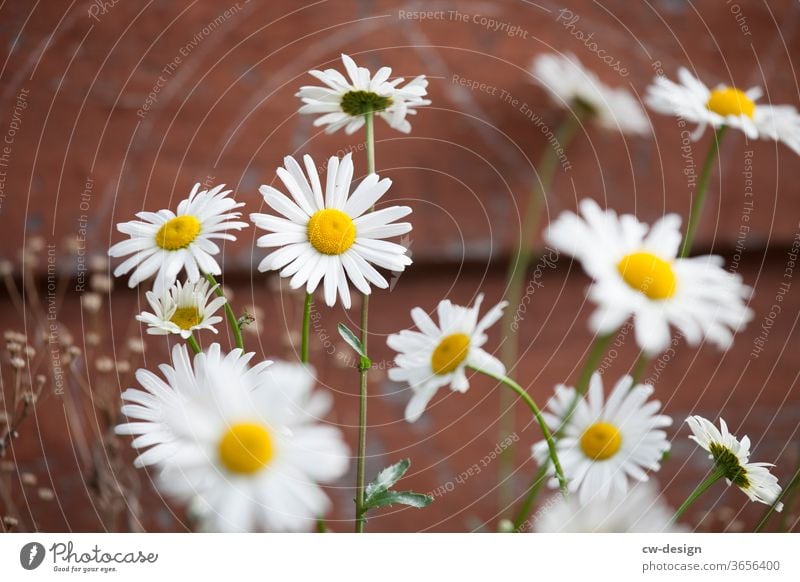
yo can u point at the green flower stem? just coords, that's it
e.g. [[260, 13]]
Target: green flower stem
[[592, 360], [193, 344], [715, 476], [229, 315], [551, 444], [701, 192], [515, 282], [639, 367], [786, 497], [369, 127], [533, 491], [306, 328]]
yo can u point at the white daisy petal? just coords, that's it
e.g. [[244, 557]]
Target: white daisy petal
[[240, 441]]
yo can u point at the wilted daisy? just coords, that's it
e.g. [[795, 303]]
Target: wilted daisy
[[183, 309], [343, 102], [606, 444], [572, 86], [637, 273], [437, 355], [642, 510], [333, 238], [731, 458], [244, 439], [165, 242], [728, 106]]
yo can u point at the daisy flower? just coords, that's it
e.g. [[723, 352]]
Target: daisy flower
[[606, 444], [342, 102], [244, 439], [642, 510], [438, 355], [731, 457], [571, 85], [637, 273], [724, 106], [332, 239], [165, 242], [183, 309]]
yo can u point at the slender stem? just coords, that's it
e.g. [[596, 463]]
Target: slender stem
[[533, 491], [715, 476], [193, 344], [306, 328], [229, 315], [702, 190], [589, 367], [369, 126], [515, 282], [551, 443], [639, 367], [786, 496]]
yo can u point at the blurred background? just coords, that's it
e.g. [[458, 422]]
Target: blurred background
[[112, 107]]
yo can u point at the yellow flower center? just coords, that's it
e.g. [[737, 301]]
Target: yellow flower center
[[649, 274], [450, 352], [178, 232], [331, 231], [731, 101], [186, 317], [601, 441], [246, 448]]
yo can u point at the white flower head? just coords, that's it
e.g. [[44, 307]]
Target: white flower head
[[606, 443], [572, 86], [637, 273], [728, 106], [343, 101], [732, 456], [331, 236], [183, 309], [438, 355], [165, 242], [245, 439], [642, 510]]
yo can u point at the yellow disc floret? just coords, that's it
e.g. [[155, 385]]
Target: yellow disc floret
[[450, 352], [331, 231], [186, 317], [601, 441], [246, 448], [730, 101], [648, 274], [178, 232]]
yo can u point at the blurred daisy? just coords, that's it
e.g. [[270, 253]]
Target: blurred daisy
[[438, 355], [183, 309], [572, 86], [731, 457], [605, 445], [728, 106], [343, 102], [642, 510], [243, 439], [636, 273], [165, 242], [334, 239]]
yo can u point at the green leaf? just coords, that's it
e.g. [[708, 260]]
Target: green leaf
[[352, 340], [410, 498], [386, 478]]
